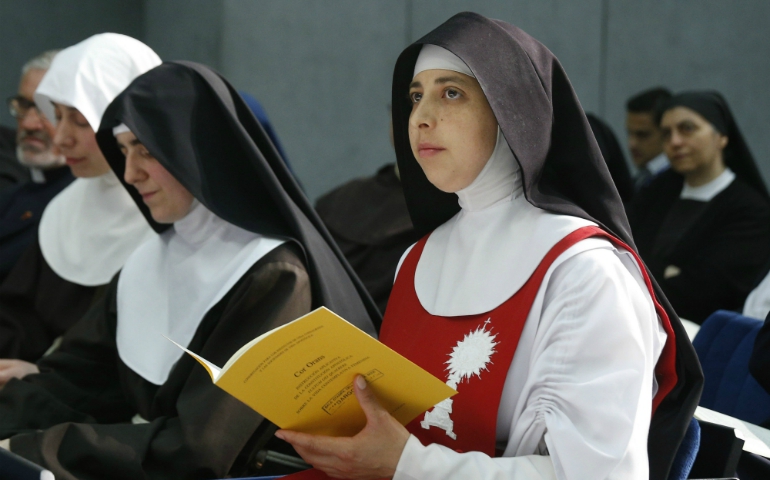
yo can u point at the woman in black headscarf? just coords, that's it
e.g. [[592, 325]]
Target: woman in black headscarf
[[240, 252], [703, 227], [527, 296]]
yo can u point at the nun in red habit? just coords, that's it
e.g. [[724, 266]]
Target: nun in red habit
[[525, 294]]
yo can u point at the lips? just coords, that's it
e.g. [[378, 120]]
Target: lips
[[74, 161], [427, 150], [33, 141], [146, 196]]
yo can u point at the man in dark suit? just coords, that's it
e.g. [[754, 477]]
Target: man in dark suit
[[22, 205]]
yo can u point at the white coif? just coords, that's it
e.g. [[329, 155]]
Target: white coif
[[169, 283], [88, 231], [90, 74]]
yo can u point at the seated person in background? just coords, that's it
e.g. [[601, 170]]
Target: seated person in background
[[238, 253], [22, 206], [613, 157], [645, 140], [88, 230], [11, 172], [369, 221], [703, 227], [522, 295]]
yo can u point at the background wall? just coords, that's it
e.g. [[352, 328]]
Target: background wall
[[322, 69], [31, 27]]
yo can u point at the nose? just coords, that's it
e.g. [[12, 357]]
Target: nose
[[63, 138], [423, 115], [675, 139], [134, 173], [31, 120]]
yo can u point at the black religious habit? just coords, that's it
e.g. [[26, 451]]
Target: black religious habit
[[37, 306], [705, 255]]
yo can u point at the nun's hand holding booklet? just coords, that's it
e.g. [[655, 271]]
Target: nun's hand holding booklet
[[300, 376]]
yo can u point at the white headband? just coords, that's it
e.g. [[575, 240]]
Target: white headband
[[433, 57], [122, 128]]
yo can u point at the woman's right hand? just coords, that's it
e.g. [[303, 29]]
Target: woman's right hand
[[12, 368]]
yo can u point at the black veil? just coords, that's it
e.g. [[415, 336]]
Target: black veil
[[198, 127], [562, 167]]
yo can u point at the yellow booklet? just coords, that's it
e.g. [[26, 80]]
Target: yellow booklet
[[300, 376]]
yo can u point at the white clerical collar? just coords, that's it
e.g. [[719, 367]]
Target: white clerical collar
[[483, 255], [36, 175], [657, 164], [705, 193], [171, 281], [89, 229]]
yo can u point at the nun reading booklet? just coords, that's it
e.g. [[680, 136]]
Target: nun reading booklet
[[300, 376]]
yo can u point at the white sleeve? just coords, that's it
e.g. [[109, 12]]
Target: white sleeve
[[586, 391]]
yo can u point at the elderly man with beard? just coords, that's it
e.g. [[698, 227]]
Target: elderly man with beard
[[22, 205]]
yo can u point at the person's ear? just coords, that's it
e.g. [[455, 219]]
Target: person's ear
[[723, 141]]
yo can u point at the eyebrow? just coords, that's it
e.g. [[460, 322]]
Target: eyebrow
[[441, 80], [451, 78], [131, 143]]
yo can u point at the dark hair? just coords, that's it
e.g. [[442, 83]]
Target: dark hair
[[648, 101]]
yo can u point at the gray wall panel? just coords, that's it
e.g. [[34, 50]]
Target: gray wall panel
[[686, 44], [30, 27], [322, 71], [185, 29]]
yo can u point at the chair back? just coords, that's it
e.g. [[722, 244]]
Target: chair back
[[724, 345]]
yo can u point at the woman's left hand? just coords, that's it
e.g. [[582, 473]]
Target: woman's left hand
[[371, 454]]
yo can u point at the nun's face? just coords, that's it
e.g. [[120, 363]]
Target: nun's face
[[452, 129], [166, 198], [76, 141], [692, 144]]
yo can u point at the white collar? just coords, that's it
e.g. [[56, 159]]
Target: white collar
[[705, 193], [483, 255], [90, 228], [37, 175], [172, 280], [658, 164]]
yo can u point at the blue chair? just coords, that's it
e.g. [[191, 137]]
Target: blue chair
[[688, 451], [724, 345]]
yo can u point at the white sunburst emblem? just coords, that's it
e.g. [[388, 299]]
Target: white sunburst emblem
[[471, 355]]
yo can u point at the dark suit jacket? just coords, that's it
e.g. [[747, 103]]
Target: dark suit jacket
[[11, 171], [21, 207]]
